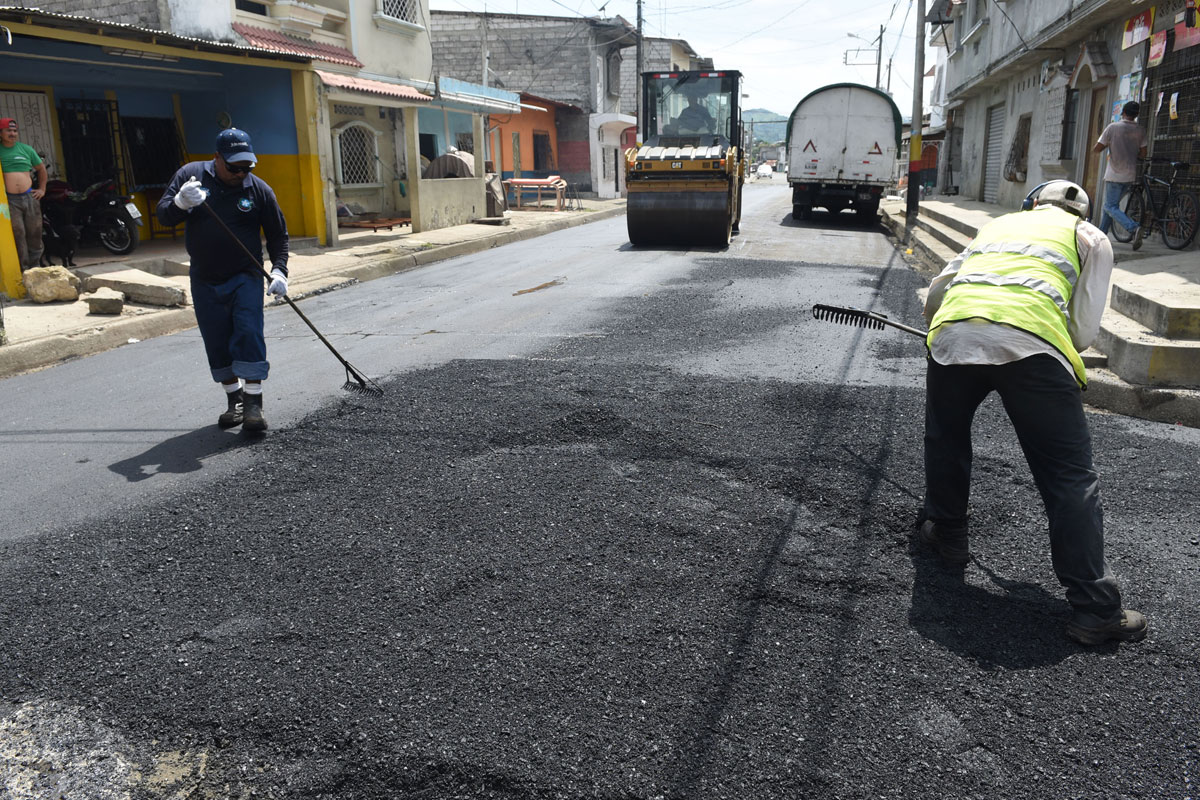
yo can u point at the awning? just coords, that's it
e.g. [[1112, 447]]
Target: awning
[[283, 43], [486, 99], [371, 86], [1094, 56]]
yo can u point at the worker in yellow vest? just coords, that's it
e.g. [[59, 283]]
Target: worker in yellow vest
[[1011, 314]]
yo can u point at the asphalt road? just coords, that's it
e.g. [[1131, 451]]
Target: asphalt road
[[641, 532]]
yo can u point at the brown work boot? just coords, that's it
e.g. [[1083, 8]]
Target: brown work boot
[[951, 544], [233, 415], [1091, 629]]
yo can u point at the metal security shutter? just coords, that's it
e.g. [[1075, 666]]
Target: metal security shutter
[[993, 158]]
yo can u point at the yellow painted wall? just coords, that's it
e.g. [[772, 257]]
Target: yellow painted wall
[[283, 175], [10, 265]]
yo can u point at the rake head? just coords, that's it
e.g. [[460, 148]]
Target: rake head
[[357, 382], [848, 316]]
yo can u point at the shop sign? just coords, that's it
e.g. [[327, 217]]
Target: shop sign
[[1185, 37], [1137, 29], [1158, 48]]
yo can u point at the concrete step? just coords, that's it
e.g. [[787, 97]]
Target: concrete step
[[1140, 356], [1093, 358], [955, 221], [948, 235], [1170, 311], [930, 252]]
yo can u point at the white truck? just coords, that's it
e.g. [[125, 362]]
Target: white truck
[[842, 141]]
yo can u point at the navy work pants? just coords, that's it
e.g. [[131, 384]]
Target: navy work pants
[[1044, 404], [230, 317]]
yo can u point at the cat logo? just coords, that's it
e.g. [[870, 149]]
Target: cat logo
[[676, 165], [813, 146], [876, 151]]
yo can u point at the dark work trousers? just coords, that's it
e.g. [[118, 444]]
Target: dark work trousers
[[1044, 404], [230, 317], [25, 211]]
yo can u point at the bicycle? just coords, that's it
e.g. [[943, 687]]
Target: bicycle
[[1176, 217]]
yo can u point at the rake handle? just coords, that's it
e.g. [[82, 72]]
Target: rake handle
[[266, 274]]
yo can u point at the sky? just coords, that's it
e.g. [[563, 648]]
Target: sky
[[784, 48]]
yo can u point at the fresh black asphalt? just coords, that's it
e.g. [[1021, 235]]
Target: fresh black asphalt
[[592, 574]]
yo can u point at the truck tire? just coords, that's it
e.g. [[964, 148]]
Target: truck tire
[[868, 211], [801, 212]]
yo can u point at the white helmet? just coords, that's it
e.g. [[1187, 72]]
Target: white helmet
[[1067, 196]]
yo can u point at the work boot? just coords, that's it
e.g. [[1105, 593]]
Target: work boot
[[949, 543], [1122, 626], [233, 416], [1138, 236], [253, 420]]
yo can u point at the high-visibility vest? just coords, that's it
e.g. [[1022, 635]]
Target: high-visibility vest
[[1020, 270]]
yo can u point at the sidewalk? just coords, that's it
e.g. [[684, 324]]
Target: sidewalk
[[41, 335], [1145, 362]]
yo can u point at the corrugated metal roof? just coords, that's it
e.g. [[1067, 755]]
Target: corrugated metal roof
[[539, 99], [283, 43], [134, 33], [371, 86]]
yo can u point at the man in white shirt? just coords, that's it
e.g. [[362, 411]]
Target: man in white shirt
[[1125, 142]]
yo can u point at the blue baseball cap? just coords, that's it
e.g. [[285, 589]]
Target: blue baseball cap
[[234, 146]]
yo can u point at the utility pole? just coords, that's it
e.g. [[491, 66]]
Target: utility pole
[[483, 47], [879, 59], [912, 207], [637, 79]]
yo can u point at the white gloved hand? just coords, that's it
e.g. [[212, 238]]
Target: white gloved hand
[[190, 195], [278, 283]]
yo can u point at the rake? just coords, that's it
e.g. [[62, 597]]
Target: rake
[[863, 319], [356, 381]]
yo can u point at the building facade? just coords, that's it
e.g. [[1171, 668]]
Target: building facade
[[575, 63], [1029, 86], [349, 109]]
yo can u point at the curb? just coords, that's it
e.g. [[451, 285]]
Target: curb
[[48, 351], [1171, 406]]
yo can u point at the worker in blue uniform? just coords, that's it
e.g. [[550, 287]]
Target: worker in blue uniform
[[227, 285]]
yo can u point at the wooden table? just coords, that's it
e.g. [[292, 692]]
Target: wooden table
[[535, 186]]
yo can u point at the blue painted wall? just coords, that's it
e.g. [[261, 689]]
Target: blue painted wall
[[258, 99]]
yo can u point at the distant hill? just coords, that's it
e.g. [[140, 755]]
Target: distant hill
[[768, 126]]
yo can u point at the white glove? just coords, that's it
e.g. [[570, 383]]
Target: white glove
[[278, 283], [190, 195]]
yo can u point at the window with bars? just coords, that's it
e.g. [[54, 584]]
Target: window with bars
[[1172, 110], [400, 9], [357, 156]]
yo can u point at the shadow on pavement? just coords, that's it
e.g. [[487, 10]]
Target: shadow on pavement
[[1018, 627], [182, 453]]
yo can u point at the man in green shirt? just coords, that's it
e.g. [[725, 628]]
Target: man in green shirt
[[21, 164]]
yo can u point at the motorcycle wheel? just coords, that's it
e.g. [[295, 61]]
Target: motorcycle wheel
[[117, 231]]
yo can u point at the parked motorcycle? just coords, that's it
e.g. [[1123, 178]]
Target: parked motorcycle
[[100, 211]]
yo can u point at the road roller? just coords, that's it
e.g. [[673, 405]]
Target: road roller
[[685, 177]]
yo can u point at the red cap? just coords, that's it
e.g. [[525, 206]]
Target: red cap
[[7, 122]]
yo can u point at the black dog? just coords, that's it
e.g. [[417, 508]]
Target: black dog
[[59, 240]]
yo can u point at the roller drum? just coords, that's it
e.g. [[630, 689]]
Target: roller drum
[[679, 217]]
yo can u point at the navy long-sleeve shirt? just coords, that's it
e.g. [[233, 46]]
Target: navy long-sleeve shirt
[[245, 209]]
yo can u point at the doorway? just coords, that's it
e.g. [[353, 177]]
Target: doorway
[[1097, 120]]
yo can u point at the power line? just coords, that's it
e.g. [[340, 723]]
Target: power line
[[900, 37], [763, 28]]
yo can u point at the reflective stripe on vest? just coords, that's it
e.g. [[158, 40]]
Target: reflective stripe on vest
[[1020, 270], [1069, 270]]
